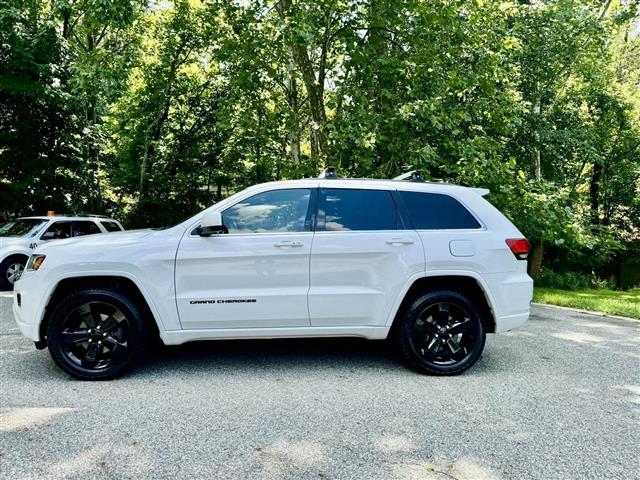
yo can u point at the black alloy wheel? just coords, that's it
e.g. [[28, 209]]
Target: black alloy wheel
[[442, 333], [96, 334]]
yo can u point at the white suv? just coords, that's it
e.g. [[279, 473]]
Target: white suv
[[21, 236], [434, 266]]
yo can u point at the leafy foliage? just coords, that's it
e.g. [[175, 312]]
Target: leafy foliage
[[153, 110]]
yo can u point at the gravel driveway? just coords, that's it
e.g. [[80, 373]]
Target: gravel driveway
[[558, 399]]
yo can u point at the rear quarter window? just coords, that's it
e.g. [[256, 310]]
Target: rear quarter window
[[111, 226], [435, 211]]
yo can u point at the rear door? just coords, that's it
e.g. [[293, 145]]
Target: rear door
[[361, 259]]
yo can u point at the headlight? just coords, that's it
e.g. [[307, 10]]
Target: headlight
[[35, 262]]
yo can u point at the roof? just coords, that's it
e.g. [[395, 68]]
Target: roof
[[376, 183], [69, 217]]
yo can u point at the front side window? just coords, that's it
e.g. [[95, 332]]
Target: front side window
[[57, 231], [270, 212], [351, 209], [85, 228], [434, 211]]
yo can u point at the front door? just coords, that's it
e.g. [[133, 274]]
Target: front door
[[255, 276]]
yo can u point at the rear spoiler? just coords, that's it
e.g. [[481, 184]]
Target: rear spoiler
[[481, 191]]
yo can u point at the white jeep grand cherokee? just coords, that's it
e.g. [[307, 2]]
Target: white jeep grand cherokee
[[434, 266]]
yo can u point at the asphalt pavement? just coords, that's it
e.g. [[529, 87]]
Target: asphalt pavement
[[558, 399]]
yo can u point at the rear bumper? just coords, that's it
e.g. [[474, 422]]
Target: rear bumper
[[504, 324], [512, 294]]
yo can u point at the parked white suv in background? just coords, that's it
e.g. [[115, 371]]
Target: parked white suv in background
[[435, 266], [21, 236]]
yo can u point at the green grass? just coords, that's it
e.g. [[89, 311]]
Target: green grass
[[614, 302]]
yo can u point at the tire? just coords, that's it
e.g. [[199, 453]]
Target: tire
[[441, 333], [97, 334], [8, 268]]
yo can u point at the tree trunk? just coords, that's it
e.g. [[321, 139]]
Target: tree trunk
[[535, 259], [313, 84], [294, 124], [315, 147], [594, 193], [153, 131], [535, 256], [535, 157]]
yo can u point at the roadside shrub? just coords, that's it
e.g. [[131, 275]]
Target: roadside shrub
[[572, 280]]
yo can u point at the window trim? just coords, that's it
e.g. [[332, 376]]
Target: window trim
[[409, 222], [321, 216], [310, 220]]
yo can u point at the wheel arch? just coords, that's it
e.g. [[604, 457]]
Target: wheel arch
[[69, 285], [465, 283], [22, 256]]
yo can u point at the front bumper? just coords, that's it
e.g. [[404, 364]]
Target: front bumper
[[27, 306]]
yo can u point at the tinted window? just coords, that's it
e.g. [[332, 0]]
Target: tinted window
[[85, 228], [22, 227], [347, 209], [57, 231], [433, 211], [274, 211], [111, 226]]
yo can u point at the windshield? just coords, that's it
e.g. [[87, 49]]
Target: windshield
[[22, 227]]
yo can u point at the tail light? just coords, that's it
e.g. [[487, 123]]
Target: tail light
[[519, 246]]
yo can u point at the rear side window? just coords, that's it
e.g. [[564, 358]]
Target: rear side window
[[111, 226], [434, 211], [346, 209], [85, 228]]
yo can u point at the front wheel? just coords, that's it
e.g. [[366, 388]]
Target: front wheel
[[442, 333], [97, 334], [10, 271]]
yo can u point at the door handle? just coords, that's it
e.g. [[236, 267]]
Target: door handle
[[288, 244], [399, 241]]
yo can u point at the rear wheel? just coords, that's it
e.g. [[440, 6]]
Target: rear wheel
[[442, 333], [97, 334], [10, 271]]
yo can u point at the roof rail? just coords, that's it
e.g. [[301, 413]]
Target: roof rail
[[81, 215], [412, 176], [329, 172]]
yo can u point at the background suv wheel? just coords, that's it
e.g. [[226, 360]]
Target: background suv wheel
[[442, 333], [10, 271], [97, 334]]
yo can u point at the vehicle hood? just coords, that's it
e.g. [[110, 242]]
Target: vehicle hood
[[7, 243], [99, 240], [11, 240]]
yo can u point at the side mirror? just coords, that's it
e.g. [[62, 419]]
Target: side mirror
[[211, 225]]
